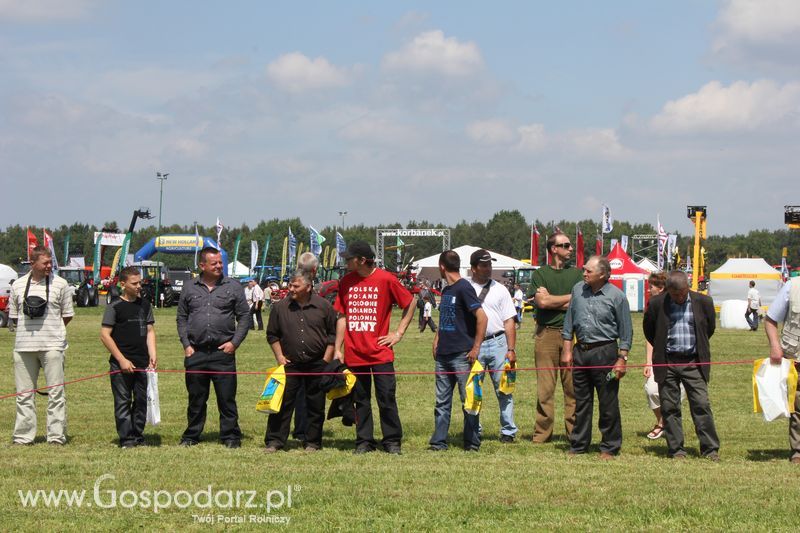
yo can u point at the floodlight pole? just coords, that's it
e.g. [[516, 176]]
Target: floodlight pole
[[162, 178], [342, 214]]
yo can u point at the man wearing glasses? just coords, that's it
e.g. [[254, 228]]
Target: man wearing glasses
[[550, 289]]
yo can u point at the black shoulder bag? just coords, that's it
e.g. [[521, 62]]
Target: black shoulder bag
[[35, 306]]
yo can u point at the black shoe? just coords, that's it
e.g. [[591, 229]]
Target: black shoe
[[507, 439], [187, 442], [128, 445], [472, 448], [232, 444], [433, 448], [363, 449], [393, 449]]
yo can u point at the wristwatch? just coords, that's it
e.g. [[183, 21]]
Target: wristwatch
[[511, 350], [623, 357]]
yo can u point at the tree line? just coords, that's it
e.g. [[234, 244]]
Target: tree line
[[507, 232]]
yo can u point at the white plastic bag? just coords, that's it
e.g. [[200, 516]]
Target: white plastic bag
[[773, 389], [153, 405]]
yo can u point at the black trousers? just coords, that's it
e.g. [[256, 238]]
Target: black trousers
[[699, 406], [130, 404], [300, 417], [427, 322], [198, 387], [296, 386], [255, 309], [585, 383], [386, 394]]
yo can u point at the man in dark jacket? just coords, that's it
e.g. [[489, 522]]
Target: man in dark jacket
[[678, 323]]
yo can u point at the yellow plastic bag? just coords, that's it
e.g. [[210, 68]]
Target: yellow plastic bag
[[775, 381], [344, 390], [508, 379], [474, 392], [272, 397]]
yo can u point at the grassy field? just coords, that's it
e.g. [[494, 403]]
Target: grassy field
[[518, 486]]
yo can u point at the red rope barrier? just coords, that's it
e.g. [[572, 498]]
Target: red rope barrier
[[396, 373]]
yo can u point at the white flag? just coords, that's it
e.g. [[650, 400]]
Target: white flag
[[253, 256], [608, 222], [220, 227], [624, 243]]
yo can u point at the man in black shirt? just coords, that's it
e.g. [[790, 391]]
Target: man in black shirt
[[128, 333], [213, 320], [301, 332]]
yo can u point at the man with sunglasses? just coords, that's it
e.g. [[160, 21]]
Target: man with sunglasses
[[550, 289]]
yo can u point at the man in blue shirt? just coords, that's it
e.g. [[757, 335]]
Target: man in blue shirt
[[600, 317], [678, 323], [462, 328]]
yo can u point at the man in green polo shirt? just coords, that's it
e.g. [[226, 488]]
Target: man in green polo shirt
[[550, 290]]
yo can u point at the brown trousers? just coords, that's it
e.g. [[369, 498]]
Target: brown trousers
[[549, 345]]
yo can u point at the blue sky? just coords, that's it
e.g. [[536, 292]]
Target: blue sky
[[396, 111]]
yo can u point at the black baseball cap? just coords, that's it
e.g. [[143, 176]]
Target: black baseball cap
[[480, 256], [358, 249]]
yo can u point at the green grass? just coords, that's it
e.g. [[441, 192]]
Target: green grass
[[518, 486]]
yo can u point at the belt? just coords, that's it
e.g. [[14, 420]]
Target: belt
[[590, 345], [489, 337], [682, 355]]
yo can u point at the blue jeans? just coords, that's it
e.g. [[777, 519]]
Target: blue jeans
[[445, 383], [493, 357]]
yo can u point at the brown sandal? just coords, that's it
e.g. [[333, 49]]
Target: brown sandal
[[656, 432]]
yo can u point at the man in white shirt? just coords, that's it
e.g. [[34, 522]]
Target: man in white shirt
[[41, 305], [753, 306], [255, 299], [500, 340], [519, 302]]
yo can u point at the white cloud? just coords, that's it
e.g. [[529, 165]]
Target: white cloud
[[759, 33], [380, 130], [431, 52], [532, 138], [759, 21], [492, 131], [44, 10], [601, 143], [741, 106], [295, 72]]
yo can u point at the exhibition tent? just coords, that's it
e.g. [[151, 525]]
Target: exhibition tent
[[429, 267], [7, 277], [238, 269], [648, 265], [629, 278], [731, 281]]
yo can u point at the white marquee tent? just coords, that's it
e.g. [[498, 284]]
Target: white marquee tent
[[7, 277], [429, 266], [238, 269], [731, 280], [648, 265]]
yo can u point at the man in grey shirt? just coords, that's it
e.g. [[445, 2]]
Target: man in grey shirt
[[213, 320], [600, 317]]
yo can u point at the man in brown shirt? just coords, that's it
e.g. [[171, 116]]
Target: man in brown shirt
[[301, 332]]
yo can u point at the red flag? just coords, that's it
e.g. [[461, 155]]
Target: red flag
[[598, 247], [546, 251], [534, 246], [32, 243], [579, 249]]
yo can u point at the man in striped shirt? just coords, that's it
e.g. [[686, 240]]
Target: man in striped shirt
[[40, 344]]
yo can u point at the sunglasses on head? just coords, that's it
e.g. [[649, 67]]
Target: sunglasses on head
[[564, 245]]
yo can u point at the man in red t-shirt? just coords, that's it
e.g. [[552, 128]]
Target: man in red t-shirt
[[364, 303]]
